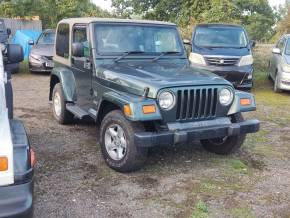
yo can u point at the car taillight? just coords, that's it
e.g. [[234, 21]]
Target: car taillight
[[3, 164], [32, 158]]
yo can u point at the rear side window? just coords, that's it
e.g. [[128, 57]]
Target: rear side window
[[62, 41], [80, 36], [281, 44]]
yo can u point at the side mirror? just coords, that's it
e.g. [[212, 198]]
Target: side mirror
[[14, 53], [276, 51], [186, 42], [30, 42], [252, 43], [78, 49], [8, 31]]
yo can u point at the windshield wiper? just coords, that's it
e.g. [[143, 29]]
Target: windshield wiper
[[128, 53], [165, 53]]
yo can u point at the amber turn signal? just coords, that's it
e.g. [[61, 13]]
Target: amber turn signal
[[127, 110], [3, 163], [149, 109], [245, 101]]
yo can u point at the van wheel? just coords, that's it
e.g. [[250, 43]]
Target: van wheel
[[60, 113], [228, 144], [118, 143]]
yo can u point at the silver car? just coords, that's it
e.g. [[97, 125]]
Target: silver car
[[279, 65], [40, 57]]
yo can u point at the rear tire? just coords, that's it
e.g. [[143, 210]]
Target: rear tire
[[60, 113], [118, 143], [228, 144]]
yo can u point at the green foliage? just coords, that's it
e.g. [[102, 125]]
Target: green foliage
[[51, 11], [200, 210], [256, 15], [239, 166]]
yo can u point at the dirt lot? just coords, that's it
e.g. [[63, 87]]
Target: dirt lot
[[72, 179]]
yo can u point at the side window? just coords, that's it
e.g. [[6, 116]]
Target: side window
[[281, 44], [80, 36], [62, 41]]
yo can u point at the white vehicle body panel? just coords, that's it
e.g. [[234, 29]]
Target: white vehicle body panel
[[6, 145]]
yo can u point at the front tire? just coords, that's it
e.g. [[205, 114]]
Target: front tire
[[228, 144], [60, 113], [276, 87], [118, 143]]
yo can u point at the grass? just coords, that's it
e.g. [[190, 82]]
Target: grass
[[242, 212], [239, 166], [200, 210], [23, 68]]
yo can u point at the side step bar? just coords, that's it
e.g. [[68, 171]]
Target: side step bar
[[77, 111]]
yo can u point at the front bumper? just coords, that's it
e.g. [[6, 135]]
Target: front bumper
[[16, 201], [39, 65], [151, 139], [284, 81], [240, 77]]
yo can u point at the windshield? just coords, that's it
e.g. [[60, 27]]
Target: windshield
[[231, 37], [121, 38], [46, 38]]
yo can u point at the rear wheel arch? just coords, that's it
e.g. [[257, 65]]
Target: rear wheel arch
[[66, 78], [53, 81]]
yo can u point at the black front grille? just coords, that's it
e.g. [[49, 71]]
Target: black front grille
[[200, 103], [222, 61], [49, 57]]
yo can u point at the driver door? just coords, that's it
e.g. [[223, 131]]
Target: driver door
[[82, 68]]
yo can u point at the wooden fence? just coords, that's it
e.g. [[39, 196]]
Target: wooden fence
[[22, 24]]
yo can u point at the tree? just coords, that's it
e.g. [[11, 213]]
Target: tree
[[50, 11], [256, 15]]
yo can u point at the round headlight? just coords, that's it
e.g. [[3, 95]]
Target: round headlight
[[166, 100], [226, 96]]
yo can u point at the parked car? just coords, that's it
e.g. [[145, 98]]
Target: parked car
[[137, 82], [16, 156], [40, 56], [279, 65], [225, 50]]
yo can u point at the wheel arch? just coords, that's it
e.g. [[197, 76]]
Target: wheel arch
[[66, 78], [106, 107]]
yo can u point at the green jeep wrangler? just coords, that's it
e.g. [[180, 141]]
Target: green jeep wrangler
[[134, 78]]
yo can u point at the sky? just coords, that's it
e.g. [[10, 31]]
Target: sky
[[106, 4]]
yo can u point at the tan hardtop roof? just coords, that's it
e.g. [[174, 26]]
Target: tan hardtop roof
[[111, 20]]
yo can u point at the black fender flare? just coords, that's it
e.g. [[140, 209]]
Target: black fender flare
[[66, 78]]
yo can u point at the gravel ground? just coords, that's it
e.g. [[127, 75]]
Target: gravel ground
[[72, 179]]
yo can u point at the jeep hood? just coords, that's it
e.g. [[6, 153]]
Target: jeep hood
[[134, 77]]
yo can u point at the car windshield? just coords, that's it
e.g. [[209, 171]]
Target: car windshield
[[122, 38], [46, 38], [229, 37]]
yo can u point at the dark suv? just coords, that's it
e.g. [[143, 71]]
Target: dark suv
[[225, 50], [133, 77]]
